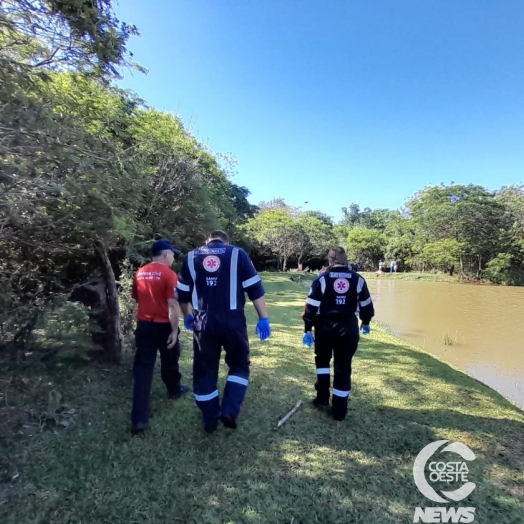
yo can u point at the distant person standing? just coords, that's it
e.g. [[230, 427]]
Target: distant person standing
[[157, 330], [336, 298], [211, 290], [381, 266], [392, 266]]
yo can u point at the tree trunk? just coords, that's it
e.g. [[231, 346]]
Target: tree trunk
[[93, 296], [284, 264], [114, 338], [479, 271], [451, 270], [462, 274]]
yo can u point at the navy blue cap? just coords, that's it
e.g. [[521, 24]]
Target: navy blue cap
[[163, 244]]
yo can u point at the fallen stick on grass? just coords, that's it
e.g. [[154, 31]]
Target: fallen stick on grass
[[299, 403]]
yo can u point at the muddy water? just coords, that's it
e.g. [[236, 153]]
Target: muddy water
[[484, 323]]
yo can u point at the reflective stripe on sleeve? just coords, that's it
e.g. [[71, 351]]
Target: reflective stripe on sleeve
[[313, 302], [251, 281]]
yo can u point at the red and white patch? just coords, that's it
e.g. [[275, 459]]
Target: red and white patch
[[341, 285], [211, 263]]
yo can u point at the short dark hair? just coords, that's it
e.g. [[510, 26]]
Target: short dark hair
[[337, 255], [222, 235]]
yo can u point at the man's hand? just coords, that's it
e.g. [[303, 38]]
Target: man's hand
[[308, 339], [189, 320], [366, 330], [173, 337], [263, 328]]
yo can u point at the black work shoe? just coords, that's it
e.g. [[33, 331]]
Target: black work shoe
[[177, 394], [210, 427], [139, 428], [320, 404], [229, 422]]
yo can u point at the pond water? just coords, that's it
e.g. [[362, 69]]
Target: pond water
[[485, 325]]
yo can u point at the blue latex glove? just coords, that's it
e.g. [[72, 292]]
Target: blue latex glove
[[308, 339], [263, 328], [366, 330], [189, 321]]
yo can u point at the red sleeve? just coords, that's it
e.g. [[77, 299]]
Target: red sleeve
[[171, 282]]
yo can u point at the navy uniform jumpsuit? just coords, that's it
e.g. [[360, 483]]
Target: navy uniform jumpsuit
[[336, 298], [214, 279]]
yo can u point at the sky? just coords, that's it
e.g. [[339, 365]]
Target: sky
[[326, 104]]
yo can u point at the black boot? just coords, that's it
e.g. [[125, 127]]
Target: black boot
[[139, 428], [340, 407], [321, 403], [177, 394], [229, 422], [210, 427]]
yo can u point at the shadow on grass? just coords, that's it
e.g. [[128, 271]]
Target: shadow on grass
[[311, 470]]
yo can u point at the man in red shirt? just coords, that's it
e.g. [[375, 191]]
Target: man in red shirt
[[157, 330]]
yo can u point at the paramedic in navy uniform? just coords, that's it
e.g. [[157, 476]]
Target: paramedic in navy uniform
[[337, 296], [210, 290]]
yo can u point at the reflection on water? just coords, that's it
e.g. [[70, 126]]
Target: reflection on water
[[484, 323]]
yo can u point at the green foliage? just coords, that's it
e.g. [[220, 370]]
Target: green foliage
[[443, 254], [85, 163], [288, 232], [503, 269], [279, 231], [470, 215], [368, 218], [65, 328], [83, 35], [126, 302], [366, 246]]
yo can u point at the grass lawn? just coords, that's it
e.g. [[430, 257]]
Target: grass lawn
[[414, 275], [311, 470]]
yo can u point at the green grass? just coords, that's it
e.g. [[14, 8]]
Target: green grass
[[415, 275], [311, 470]]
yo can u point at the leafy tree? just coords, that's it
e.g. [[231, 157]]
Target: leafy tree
[[468, 214], [82, 35], [276, 229], [352, 215], [315, 238], [325, 219], [378, 219], [512, 198], [504, 269], [443, 254], [366, 246]]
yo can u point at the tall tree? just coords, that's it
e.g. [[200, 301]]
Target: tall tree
[[279, 231], [315, 238], [468, 214], [366, 246]]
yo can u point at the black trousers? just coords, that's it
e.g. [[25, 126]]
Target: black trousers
[[231, 334], [337, 339], [151, 337]]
